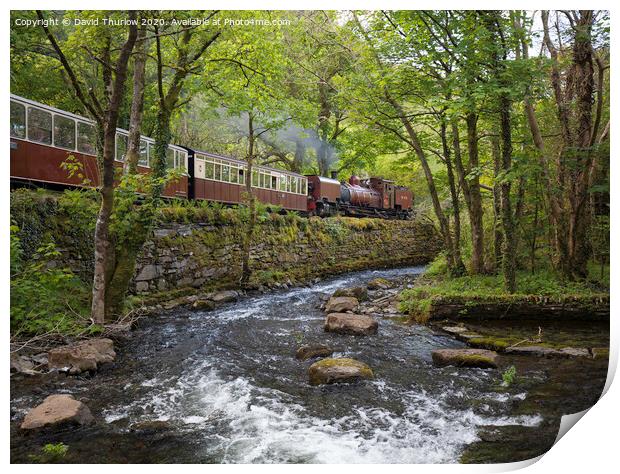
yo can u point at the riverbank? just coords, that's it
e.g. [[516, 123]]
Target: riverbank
[[541, 296], [224, 385]]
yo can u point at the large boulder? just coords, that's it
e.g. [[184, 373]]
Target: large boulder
[[310, 352], [465, 358], [359, 292], [343, 370], [57, 410], [340, 304], [225, 296], [347, 323], [83, 356]]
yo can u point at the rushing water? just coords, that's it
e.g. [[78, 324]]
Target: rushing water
[[224, 386]]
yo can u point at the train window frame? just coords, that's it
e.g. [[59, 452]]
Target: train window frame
[[225, 173], [242, 172], [79, 144], [141, 162], [29, 123], [58, 134], [209, 165], [116, 144], [282, 184], [234, 175], [255, 178], [170, 158], [13, 122], [217, 171]]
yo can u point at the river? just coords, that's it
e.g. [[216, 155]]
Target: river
[[225, 387]]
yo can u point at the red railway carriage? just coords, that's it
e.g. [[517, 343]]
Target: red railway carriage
[[42, 138], [223, 179]]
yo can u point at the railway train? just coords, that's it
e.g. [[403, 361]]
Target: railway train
[[42, 137]]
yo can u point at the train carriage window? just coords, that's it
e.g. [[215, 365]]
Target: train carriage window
[[234, 175], [225, 173], [254, 178], [288, 184], [144, 153], [241, 176], [64, 132], [86, 138], [121, 147], [39, 126], [209, 170], [169, 158], [274, 182], [218, 172], [182, 160], [18, 120]]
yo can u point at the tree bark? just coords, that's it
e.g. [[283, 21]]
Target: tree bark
[[509, 250], [475, 208], [246, 271], [137, 103], [102, 228]]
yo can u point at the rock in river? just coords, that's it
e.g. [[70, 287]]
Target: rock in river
[[343, 370], [465, 358], [347, 323], [225, 296], [310, 352], [340, 304], [379, 284], [57, 410], [83, 356], [203, 305], [359, 292]]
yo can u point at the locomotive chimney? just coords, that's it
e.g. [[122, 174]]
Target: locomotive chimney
[[334, 174]]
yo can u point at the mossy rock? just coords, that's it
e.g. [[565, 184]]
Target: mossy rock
[[379, 284], [491, 343], [342, 370], [358, 292], [481, 358]]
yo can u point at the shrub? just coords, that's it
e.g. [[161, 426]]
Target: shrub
[[44, 298]]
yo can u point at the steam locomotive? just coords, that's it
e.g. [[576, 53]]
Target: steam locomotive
[[373, 197], [42, 138]]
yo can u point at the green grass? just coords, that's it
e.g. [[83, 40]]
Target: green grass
[[435, 285]]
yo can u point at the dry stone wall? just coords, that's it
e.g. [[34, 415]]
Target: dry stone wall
[[200, 255]]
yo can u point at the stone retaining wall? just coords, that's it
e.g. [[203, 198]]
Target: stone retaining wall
[[284, 250]]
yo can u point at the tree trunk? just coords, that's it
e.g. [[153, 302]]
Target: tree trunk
[[455, 199], [509, 250], [497, 204], [246, 271], [475, 208], [102, 228], [137, 104]]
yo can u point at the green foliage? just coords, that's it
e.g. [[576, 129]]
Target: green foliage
[[544, 284], [44, 298], [51, 453], [509, 376]]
